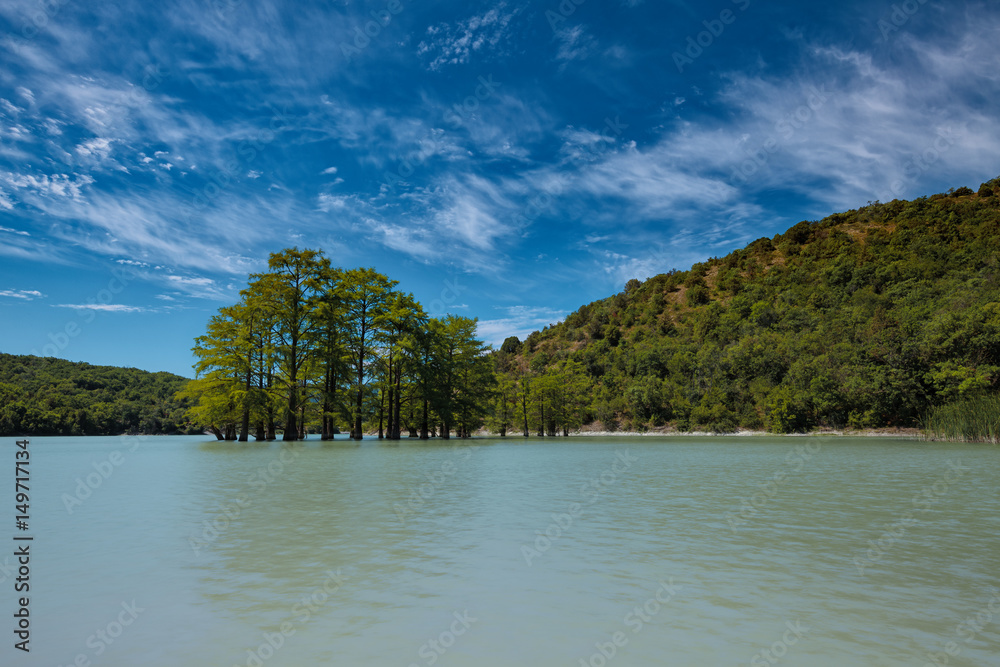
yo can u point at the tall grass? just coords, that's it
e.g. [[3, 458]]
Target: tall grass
[[970, 420]]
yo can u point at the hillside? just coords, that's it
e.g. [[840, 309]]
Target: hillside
[[864, 319], [47, 396]]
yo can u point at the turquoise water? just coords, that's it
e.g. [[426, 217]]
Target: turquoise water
[[592, 551]]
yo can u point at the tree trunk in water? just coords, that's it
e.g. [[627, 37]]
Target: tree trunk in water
[[524, 408], [261, 433], [356, 431], [423, 423], [230, 431], [541, 422], [272, 432], [397, 426], [324, 431], [216, 432], [446, 430], [245, 426], [245, 423], [291, 427], [381, 413]]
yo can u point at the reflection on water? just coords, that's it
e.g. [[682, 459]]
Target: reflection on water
[[628, 551]]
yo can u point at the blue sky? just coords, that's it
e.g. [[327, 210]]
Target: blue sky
[[504, 160]]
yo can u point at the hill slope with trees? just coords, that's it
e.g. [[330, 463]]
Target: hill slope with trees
[[48, 396], [867, 318]]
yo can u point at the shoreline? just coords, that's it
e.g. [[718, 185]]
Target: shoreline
[[889, 433]]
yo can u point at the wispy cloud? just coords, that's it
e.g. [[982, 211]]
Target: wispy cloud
[[455, 44], [517, 321], [104, 307], [575, 43], [26, 295]]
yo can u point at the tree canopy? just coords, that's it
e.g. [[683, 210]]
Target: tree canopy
[[47, 396], [312, 347]]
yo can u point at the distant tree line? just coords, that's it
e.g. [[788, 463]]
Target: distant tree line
[[47, 396], [311, 347]]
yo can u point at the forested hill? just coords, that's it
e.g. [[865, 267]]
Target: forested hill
[[47, 396], [863, 319]]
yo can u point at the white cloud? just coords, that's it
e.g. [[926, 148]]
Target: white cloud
[[574, 43], [518, 321], [104, 307], [27, 295], [55, 185], [455, 44], [8, 230], [98, 148], [199, 287], [191, 282], [326, 202], [622, 268], [329, 171]]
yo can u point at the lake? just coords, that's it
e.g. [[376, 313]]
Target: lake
[[580, 551]]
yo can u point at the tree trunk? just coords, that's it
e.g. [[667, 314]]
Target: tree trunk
[[245, 423], [423, 423], [216, 432], [524, 408], [330, 397], [261, 433], [356, 431], [291, 425], [399, 402], [381, 411], [272, 432]]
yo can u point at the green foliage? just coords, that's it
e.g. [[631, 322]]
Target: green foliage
[[48, 396], [311, 347], [868, 318], [969, 420]]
